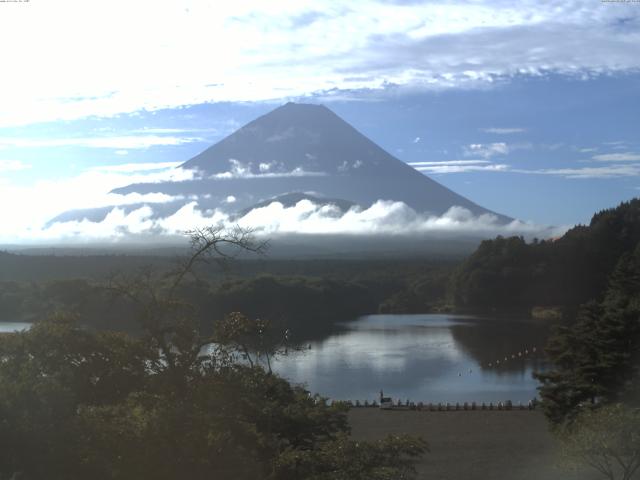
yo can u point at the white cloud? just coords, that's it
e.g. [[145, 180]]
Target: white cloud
[[416, 140], [487, 150], [267, 52], [273, 220], [187, 218], [346, 166], [609, 171], [238, 169], [448, 162], [33, 205], [13, 165], [618, 157], [117, 224], [612, 171], [436, 169], [503, 131], [121, 142], [459, 166]]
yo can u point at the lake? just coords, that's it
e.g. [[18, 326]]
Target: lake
[[13, 326], [428, 358]]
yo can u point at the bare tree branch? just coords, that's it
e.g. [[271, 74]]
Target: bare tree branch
[[220, 243], [162, 315]]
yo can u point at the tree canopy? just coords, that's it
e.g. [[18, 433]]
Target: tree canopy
[[509, 273], [168, 403], [607, 440], [596, 359]]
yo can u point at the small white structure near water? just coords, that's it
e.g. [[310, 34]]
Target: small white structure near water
[[386, 403]]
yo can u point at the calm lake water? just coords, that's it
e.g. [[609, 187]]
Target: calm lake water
[[13, 326], [429, 358]]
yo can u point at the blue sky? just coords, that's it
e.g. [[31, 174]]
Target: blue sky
[[530, 110]]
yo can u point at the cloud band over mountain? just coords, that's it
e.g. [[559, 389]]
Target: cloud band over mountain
[[384, 217]]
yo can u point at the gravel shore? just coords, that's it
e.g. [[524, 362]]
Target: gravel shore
[[470, 445]]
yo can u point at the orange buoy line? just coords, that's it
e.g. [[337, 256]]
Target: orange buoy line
[[514, 356]]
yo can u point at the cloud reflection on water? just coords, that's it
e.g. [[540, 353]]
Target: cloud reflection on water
[[420, 357]]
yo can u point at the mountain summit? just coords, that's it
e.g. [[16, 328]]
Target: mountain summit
[[300, 149], [297, 137]]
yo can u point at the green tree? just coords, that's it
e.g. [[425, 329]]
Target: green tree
[[596, 359], [606, 439], [76, 403], [254, 339], [46, 375]]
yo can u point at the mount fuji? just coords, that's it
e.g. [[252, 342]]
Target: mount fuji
[[297, 152]]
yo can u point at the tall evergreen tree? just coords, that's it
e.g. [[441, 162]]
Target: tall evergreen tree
[[596, 359]]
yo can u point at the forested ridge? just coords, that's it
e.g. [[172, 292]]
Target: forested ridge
[[503, 274], [310, 296], [591, 393], [509, 273]]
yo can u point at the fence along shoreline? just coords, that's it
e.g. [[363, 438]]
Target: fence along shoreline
[[507, 405]]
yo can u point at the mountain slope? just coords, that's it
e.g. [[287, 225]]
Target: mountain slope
[[296, 148]]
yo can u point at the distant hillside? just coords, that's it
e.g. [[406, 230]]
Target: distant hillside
[[508, 273], [42, 267]]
